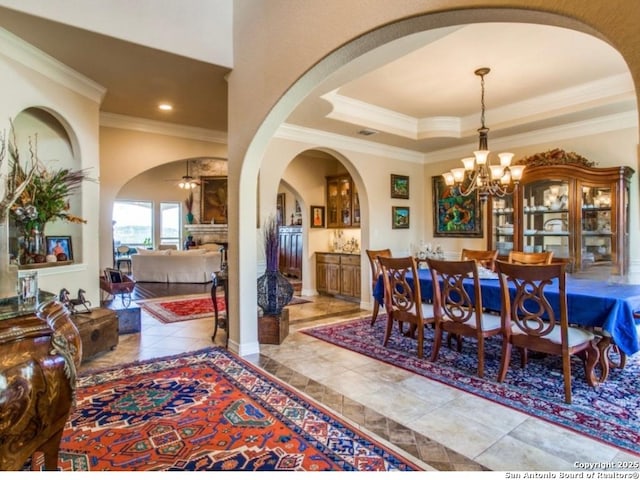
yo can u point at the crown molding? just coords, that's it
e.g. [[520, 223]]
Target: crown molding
[[24, 53], [574, 99], [608, 123], [317, 139], [320, 138], [569, 100], [114, 120]]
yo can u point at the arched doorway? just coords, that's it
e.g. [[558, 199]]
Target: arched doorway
[[247, 172]]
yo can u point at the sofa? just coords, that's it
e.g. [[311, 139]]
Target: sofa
[[175, 266]]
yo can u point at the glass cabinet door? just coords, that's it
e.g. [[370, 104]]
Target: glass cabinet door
[[332, 204], [503, 225], [546, 222], [344, 193], [596, 225]]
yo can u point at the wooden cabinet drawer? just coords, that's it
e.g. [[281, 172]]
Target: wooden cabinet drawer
[[350, 260], [328, 258]]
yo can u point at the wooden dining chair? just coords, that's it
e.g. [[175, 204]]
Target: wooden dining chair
[[403, 298], [529, 321], [455, 310], [530, 258], [485, 258], [375, 275]]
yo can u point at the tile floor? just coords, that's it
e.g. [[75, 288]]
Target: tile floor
[[445, 428]]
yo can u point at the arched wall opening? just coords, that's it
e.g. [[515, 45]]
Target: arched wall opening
[[252, 152], [44, 136]]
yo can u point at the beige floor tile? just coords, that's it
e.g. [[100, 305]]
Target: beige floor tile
[[562, 442], [509, 453], [460, 433]]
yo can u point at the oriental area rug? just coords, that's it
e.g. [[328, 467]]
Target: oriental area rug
[[188, 307], [609, 412], [209, 410]]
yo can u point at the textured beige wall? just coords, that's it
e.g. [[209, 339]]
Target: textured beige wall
[[283, 48]]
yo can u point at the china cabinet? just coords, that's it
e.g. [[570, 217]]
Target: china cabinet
[[578, 213], [343, 204]]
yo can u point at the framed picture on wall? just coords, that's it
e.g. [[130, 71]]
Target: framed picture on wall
[[400, 217], [213, 200], [60, 247], [281, 208], [317, 216], [399, 186], [454, 214]]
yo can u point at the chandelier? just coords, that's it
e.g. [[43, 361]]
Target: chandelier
[[478, 173], [187, 182]]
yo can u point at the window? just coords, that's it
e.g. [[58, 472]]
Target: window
[[170, 223], [133, 223]]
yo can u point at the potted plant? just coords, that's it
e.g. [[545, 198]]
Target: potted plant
[[274, 289]]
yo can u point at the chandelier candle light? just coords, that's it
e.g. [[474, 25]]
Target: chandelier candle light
[[478, 174]]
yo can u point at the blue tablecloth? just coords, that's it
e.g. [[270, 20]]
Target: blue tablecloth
[[590, 303]]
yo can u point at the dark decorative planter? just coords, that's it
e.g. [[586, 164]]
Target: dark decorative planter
[[274, 292]]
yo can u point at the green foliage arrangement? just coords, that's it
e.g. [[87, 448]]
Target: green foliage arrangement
[[40, 194]]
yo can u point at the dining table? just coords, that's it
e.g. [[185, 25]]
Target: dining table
[[610, 308]]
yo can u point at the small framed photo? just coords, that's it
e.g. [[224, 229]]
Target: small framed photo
[[317, 216], [113, 276], [399, 186], [27, 286], [399, 217], [60, 247]]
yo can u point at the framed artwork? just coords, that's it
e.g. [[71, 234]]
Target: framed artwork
[[281, 208], [399, 217], [213, 201], [317, 216], [399, 186], [113, 276], [60, 247], [454, 214]]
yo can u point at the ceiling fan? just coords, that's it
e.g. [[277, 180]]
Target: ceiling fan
[[187, 182]]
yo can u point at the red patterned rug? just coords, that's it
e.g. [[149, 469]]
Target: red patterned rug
[[189, 307], [209, 410], [609, 412]]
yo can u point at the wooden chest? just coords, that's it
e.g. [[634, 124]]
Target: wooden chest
[[98, 331]]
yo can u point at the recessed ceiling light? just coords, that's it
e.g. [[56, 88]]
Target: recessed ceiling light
[[165, 107]]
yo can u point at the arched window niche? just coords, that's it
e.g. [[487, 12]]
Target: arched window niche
[[39, 133]]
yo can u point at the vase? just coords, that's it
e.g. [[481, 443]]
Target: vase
[[8, 271], [274, 292], [33, 247], [189, 218]]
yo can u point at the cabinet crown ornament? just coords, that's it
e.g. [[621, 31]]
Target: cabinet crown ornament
[[556, 156]]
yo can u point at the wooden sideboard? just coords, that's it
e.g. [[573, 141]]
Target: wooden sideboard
[[40, 351], [338, 274]]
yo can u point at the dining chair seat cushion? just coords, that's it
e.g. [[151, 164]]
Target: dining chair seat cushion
[[490, 321], [577, 335], [427, 310]]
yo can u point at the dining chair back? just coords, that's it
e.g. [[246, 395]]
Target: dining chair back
[[403, 298], [457, 306], [375, 274], [530, 258], [531, 321], [485, 258]]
